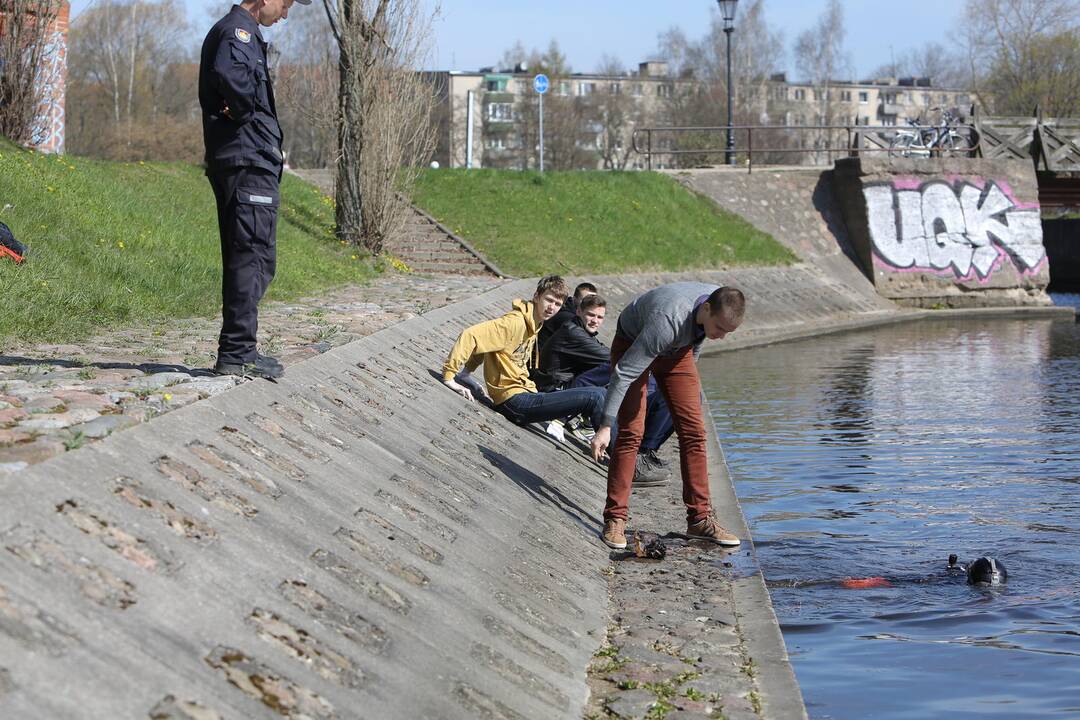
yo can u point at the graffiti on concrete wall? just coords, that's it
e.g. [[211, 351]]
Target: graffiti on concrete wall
[[48, 131], [964, 227]]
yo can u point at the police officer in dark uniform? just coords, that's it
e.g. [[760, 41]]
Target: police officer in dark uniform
[[244, 163]]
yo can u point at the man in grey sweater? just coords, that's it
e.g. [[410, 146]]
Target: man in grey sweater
[[661, 333]]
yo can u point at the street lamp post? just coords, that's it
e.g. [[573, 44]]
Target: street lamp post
[[727, 11]]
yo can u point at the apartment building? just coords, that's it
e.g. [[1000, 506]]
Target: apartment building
[[884, 101], [488, 117]]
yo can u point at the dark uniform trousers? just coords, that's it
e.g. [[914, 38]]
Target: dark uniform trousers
[[247, 208]]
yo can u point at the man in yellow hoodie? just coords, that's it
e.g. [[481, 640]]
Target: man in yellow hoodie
[[506, 347]]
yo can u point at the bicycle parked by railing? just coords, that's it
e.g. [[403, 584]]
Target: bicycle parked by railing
[[924, 141]]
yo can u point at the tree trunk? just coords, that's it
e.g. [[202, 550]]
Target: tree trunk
[[349, 211]]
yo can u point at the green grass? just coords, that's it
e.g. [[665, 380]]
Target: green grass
[[122, 244], [591, 222]]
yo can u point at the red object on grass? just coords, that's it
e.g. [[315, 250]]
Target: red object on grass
[[860, 583], [9, 246], [8, 252]]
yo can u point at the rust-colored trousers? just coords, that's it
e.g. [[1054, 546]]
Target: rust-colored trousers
[[677, 377]]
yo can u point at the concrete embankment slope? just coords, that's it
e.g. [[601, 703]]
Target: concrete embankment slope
[[354, 541], [796, 205]]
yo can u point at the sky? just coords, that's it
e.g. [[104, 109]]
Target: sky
[[470, 34]]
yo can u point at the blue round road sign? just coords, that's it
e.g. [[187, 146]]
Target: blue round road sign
[[540, 84]]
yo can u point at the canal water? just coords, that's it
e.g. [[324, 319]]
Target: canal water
[[876, 454]]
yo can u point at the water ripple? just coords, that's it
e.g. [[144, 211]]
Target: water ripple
[[876, 455]]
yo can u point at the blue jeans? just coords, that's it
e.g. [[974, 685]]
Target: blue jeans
[[658, 423], [530, 407]]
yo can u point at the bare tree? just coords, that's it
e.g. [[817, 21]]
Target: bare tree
[[820, 55], [933, 60], [306, 89], [1024, 53], [616, 115], [131, 87], [945, 68], [384, 113], [570, 128], [28, 52], [699, 96]]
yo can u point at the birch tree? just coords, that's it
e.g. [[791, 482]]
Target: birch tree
[[132, 86], [821, 59]]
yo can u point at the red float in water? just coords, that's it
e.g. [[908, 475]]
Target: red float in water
[[860, 583]]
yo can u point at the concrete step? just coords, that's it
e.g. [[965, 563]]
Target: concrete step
[[437, 257], [451, 268], [428, 249]]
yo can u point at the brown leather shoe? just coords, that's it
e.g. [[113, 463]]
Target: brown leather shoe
[[614, 535], [708, 529]]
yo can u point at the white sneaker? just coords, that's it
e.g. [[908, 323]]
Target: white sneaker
[[555, 430]]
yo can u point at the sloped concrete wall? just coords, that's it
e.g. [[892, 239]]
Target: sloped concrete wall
[[353, 541], [797, 206], [953, 232]]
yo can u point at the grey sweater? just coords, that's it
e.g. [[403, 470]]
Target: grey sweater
[[658, 323]]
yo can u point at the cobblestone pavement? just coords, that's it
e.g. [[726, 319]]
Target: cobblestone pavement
[[674, 648], [55, 398]]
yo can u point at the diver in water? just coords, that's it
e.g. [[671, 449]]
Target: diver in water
[[983, 571]]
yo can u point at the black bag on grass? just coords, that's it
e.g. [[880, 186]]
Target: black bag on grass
[[9, 246]]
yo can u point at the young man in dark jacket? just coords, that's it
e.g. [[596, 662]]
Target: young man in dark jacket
[[566, 312], [574, 348], [660, 334], [575, 357]]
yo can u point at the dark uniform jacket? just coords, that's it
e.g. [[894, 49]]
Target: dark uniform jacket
[[233, 73], [570, 352]]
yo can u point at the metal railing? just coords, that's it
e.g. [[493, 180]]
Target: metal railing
[[857, 139]]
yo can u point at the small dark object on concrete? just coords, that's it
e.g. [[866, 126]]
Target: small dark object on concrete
[[649, 545], [9, 246]]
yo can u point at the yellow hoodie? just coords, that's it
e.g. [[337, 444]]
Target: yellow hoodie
[[505, 346]]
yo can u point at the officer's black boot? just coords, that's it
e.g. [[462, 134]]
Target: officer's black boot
[[266, 359], [265, 367]]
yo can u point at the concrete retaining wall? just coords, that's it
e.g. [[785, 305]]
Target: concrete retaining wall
[[353, 541], [953, 232]]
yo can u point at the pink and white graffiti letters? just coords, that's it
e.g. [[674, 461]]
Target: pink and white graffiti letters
[[964, 227]]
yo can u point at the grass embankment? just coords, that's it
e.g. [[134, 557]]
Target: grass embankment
[[122, 244], [591, 222]]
